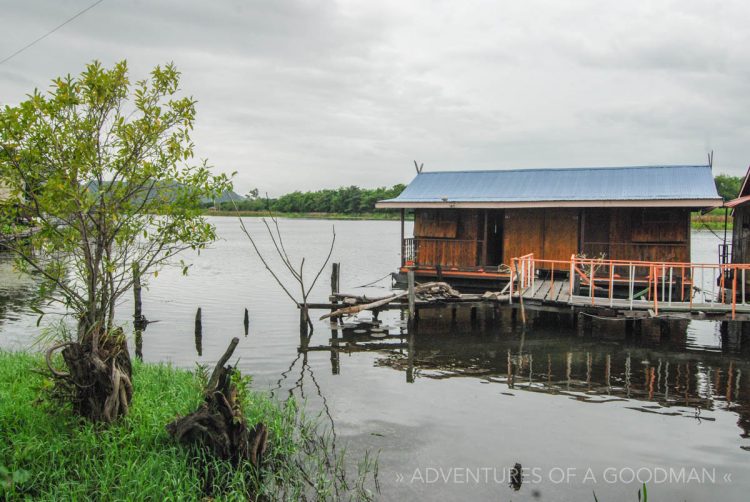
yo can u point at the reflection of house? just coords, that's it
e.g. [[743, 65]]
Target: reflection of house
[[468, 223], [671, 371]]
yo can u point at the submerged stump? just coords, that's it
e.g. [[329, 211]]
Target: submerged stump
[[219, 426]]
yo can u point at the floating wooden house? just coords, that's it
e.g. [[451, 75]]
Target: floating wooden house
[[469, 224]]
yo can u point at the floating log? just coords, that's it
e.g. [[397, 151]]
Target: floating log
[[430, 287]]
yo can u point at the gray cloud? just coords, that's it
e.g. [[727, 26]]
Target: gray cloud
[[304, 94]]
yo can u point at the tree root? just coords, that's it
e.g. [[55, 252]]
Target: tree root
[[98, 381], [219, 425]]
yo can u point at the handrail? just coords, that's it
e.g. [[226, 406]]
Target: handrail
[[659, 280]]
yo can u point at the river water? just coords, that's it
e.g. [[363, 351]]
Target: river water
[[451, 409]]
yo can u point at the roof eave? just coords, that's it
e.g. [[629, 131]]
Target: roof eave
[[688, 203]]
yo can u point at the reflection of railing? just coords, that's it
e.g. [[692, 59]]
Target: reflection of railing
[[661, 283], [446, 253]]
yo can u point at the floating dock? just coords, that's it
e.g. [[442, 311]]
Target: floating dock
[[597, 287]]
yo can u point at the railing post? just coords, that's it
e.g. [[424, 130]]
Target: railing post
[[743, 286], [591, 281], [682, 284], [692, 285], [552, 281], [671, 274], [511, 278], [631, 283], [611, 283], [656, 290], [571, 277], [734, 293]]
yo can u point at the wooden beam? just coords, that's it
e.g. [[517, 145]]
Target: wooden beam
[[484, 239], [403, 244]]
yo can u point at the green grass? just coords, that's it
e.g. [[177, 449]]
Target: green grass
[[54, 456], [713, 219]]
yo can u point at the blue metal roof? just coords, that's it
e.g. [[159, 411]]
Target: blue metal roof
[[646, 183]]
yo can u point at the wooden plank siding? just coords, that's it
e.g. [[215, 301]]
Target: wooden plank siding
[[448, 237], [551, 234], [467, 238], [645, 234], [741, 235], [523, 233]]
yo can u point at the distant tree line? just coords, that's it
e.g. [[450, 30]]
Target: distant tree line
[[345, 200], [728, 186], [355, 200]]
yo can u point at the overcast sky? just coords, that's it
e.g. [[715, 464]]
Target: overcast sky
[[306, 94]]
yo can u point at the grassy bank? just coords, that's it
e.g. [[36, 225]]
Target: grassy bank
[[713, 220], [48, 454]]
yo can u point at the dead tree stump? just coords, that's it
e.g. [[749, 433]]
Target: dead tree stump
[[98, 381], [219, 425]]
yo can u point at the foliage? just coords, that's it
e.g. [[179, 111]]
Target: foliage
[[728, 186], [105, 168], [135, 459], [343, 200]]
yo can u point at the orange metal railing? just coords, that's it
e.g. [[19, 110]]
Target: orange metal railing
[[661, 283]]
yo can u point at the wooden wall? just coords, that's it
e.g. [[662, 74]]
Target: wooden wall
[[549, 233], [741, 235], [454, 238], [645, 234], [449, 237]]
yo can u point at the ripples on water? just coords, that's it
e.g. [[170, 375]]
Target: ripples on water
[[449, 396]]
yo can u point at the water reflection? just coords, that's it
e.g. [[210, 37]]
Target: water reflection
[[657, 365], [17, 291]]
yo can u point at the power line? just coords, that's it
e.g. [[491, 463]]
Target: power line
[[19, 51]]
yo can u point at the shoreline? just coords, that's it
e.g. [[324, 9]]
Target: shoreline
[[712, 221], [49, 452], [310, 216]]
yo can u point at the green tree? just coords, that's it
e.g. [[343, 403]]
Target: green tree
[[106, 169], [728, 186]]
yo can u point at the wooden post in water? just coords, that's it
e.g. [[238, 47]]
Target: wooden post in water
[[138, 315], [410, 360], [521, 291], [246, 322], [138, 323], [412, 298], [199, 331], [335, 285], [303, 321], [335, 363]]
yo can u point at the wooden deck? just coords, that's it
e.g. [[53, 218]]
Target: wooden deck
[[544, 294]]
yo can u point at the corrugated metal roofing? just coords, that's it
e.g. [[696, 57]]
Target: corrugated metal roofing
[[646, 183]]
